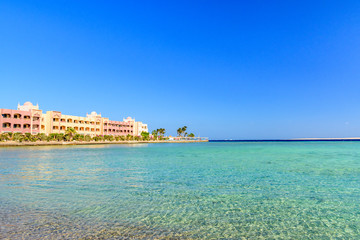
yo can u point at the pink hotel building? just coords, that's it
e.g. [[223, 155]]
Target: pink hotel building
[[30, 119]]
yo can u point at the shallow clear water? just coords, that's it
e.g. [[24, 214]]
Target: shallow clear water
[[282, 190]]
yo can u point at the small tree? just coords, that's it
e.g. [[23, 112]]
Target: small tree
[[79, 137], [191, 135], [88, 138], [60, 137], [4, 137], [145, 136], [41, 137], [69, 134], [109, 138], [52, 137], [18, 137]]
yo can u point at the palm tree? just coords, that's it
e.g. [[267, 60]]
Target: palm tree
[[179, 132], [70, 132], [155, 133], [184, 130], [162, 131]]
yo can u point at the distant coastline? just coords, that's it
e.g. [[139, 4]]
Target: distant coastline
[[290, 140]]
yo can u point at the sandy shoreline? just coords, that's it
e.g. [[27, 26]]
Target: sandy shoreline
[[55, 143]]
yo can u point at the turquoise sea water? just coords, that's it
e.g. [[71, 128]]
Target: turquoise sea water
[[281, 190]]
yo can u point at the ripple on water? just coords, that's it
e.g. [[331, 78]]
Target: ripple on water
[[175, 191]]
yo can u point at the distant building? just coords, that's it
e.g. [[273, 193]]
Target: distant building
[[139, 127], [29, 119]]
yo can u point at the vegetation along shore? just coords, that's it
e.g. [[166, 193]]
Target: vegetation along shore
[[71, 137]]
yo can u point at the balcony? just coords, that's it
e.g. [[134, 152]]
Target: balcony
[[6, 125], [17, 116]]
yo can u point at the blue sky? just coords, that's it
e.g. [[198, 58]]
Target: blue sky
[[227, 70]]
